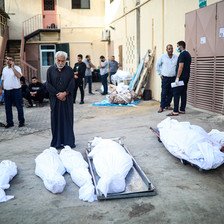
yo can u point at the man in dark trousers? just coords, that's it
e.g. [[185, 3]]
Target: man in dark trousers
[[36, 91], [11, 75], [182, 74], [79, 73], [60, 85]]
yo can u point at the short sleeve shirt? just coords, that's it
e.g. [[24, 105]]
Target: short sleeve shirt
[[10, 79], [88, 70], [185, 58], [104, 71], [113, 66]]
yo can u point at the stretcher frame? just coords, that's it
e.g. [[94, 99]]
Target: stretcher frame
[[137, 183]]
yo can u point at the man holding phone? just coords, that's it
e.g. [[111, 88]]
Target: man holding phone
[[11, 75]]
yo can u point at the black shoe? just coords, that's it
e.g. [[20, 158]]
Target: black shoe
[[21, 125], [82, 102], [41, 105], [9, 125], [104, 93], [91, 93]]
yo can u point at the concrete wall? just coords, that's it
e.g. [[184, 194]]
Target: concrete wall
[[19, 11], [81, 28], [152, 29]]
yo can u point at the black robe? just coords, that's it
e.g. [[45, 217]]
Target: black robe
[[61, 111]]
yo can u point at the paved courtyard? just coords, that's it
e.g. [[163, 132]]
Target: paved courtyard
[[183, 193]]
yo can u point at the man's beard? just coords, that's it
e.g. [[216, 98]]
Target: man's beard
[[60, 66]]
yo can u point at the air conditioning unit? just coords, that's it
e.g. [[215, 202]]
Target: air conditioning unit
[[105, 35]]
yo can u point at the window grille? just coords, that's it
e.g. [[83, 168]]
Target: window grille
[[49, 5]]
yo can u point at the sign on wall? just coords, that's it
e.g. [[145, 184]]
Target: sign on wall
[[202, 3]]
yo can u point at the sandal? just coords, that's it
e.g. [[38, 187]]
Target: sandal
[[2, 125], [181, 112], [160, 110], [172, 114], [169, 108]]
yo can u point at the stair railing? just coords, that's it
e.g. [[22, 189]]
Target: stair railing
[[3, 47], [40, 21], [28, 70]]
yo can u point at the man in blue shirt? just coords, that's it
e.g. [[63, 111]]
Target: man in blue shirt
[[182, 74], [166, 68], [88, 73], [113, 66]]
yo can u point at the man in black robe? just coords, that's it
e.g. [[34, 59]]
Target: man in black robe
[[60, 85]]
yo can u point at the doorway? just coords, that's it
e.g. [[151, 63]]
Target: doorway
[[49, 14], [47, 54]]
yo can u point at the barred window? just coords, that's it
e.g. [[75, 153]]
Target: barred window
[[80, 4], [49, 5]]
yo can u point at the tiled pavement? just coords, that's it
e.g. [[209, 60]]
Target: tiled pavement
[[36, 119]]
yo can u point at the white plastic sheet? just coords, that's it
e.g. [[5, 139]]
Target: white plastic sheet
[[78, 168], [112, 164], [8, 170], [50, 169], [191, 142], [121, 75], [217, 135]]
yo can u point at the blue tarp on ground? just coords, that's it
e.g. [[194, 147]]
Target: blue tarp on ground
[[105, 102]]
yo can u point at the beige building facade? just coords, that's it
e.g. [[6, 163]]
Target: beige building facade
[[139, 25], [48, 26]]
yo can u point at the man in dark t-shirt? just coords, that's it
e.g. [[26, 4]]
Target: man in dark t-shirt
[[182, 74], [79, 73], [36, 91]]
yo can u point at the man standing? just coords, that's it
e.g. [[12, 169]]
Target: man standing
[[79, 72], [88, 73], [104, 74], [113, 66], [182, 74], [11, 75], [60, 85], [166, 68]]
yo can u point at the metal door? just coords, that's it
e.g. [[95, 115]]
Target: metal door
[[49, 14], [47, 54], [206, 85], [219, 69], [206, 22], [220, 29]]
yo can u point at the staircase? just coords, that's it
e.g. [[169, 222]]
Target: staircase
[[13, 48]]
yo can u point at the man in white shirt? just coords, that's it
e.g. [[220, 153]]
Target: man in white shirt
[[104, 74], [11, 75], [166, 68]]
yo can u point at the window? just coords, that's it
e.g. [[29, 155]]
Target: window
[[80, 4], [48, 4]]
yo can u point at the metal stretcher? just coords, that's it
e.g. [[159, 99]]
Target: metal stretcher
[[137, 183]]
